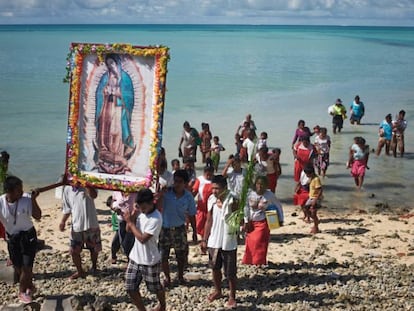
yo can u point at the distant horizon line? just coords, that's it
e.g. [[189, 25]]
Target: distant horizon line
[[206, 24]]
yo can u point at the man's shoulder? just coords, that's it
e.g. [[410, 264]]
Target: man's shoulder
[[188, 194], [156, 214], [26, 198], [211, 199], [171, 194]]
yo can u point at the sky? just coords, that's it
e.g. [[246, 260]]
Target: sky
[[277, 12]]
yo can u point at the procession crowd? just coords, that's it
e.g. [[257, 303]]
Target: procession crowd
[[223, 208]]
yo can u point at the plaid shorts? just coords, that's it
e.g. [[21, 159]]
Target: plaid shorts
[[91, 239], [135, 273], [173, 238], [218, 258]]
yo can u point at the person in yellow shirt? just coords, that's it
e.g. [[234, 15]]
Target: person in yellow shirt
[[315, 196], [338, 113]]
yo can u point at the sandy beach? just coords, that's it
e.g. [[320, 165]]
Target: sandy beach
[[359, 259]]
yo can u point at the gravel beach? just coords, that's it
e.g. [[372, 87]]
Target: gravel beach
[[360, 261]]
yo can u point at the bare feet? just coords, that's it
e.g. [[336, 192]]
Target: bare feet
[[159, 308], [231, 304], [213, 296], [77, 275], [315, 230], [306, 219]]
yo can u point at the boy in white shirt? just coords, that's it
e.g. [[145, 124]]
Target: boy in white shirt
[[144, 258], [221, 243]]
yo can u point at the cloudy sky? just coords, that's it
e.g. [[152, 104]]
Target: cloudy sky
[[306, 12]]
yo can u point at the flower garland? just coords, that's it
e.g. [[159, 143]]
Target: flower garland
[[74, 69]]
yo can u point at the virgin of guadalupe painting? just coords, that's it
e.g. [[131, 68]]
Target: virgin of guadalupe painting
[[114, 106], [115, 115]]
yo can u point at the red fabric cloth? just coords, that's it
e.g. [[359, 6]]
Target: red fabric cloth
[[358, 168], [303, 157], [201, 218], [272, 182], [300, 197], [257, 242], [2, 231], [204, 189]]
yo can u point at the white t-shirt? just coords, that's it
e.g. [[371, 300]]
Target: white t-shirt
[[19, 211], [261, 143], [249, 145], [235, 182], [304, 179], [256, 206], [265, 167], [322, 143], [147, 253], [216, 148], [82, 207], [219, 233], [166, 179]]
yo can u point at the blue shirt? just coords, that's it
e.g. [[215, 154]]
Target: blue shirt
[[358, 110], [174, 210], [387, 127]]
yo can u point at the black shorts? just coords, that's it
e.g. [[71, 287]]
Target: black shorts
[[338, 121], [223, 259], [22, 248]]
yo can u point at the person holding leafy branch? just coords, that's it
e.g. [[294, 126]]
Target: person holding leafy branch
[[220, 240]]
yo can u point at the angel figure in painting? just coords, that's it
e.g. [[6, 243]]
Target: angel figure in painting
[[114, 104]]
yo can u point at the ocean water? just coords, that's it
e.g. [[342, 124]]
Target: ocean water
[[217, 74]]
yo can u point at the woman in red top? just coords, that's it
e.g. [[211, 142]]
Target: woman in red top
[[304, 153], [202, 189]]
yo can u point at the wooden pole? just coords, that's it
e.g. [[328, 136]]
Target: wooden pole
[[52, 186]]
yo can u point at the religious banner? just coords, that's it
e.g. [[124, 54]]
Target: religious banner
[[115, 117]]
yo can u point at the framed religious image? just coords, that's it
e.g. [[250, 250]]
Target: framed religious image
[[115, 117]]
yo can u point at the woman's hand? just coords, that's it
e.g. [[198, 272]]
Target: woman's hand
[[248, 227]]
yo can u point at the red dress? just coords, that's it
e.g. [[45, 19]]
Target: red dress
[[257, 243], [304, 156], [202, 186]]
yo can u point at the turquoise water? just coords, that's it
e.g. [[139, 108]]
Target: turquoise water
[[218, 74]]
